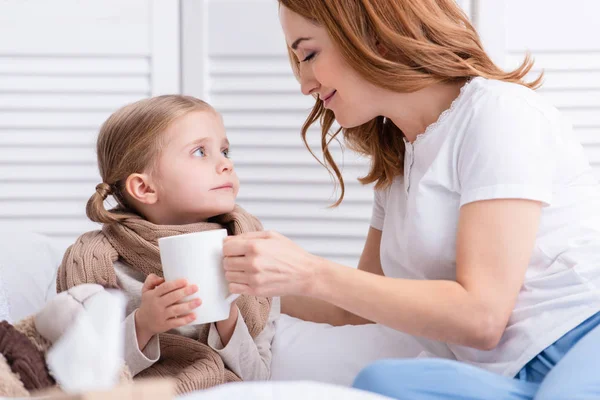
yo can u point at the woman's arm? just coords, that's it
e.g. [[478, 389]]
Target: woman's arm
[[312, 309], [495, 239]]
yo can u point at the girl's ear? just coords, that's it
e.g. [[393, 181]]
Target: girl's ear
[[141, 188]]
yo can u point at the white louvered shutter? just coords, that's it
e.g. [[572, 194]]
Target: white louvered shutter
[[64, 67], [563, 37]]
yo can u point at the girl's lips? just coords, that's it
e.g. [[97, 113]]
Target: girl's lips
[[226, 186]]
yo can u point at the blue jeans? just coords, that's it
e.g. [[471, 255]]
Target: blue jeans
[[568, 369]]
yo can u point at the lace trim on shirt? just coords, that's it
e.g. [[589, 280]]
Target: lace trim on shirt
[[444, 115]]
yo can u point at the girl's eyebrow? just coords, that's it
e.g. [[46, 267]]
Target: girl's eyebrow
[[198, 142]]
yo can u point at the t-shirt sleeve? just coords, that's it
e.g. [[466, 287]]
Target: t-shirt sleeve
[[378, 214], [508, 152]]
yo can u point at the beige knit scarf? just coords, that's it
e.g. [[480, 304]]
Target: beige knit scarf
[[192, 363]]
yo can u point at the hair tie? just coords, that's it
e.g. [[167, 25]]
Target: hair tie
[[104, 190]]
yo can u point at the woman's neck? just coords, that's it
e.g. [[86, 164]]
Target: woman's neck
[[414, 112]]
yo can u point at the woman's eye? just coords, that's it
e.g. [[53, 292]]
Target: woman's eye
[[199, 152], [309, 57]]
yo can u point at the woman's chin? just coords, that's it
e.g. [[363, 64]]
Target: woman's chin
[[349, 122]]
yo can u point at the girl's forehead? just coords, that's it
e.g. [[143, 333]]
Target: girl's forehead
[[195, 127]]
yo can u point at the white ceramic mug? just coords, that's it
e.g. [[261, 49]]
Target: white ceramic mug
[[198, 258]]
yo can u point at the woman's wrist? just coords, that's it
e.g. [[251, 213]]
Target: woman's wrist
[[322, 280]]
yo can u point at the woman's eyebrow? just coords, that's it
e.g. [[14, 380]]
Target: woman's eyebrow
[[294, 45]]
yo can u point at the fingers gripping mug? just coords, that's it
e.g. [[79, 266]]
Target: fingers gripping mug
[[198, 258]]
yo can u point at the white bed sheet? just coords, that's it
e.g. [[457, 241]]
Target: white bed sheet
[[297, 390], [320, 352]]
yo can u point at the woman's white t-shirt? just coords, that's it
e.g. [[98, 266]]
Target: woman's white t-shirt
[[500, 140]]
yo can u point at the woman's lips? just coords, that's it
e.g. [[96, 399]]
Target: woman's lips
[[327, 99]]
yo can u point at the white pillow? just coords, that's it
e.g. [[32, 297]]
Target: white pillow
[[28, 265], [320, 352]]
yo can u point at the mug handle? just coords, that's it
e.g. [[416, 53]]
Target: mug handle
[[231, 298]]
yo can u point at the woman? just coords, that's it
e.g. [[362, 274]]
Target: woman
[[485, 228]]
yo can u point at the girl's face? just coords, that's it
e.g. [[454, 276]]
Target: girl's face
[[324, 72], [194, 177]]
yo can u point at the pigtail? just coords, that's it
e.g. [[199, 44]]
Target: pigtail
[[95, 209]]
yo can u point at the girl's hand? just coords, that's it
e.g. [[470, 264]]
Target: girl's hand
[[161, 309]]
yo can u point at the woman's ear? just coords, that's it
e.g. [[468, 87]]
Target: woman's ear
[[141, 188]]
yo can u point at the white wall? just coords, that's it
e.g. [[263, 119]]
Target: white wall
[[65, 65]]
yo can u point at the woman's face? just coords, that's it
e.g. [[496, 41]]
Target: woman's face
[[324, 72]]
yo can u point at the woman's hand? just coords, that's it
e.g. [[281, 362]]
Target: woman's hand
[[268, 264]]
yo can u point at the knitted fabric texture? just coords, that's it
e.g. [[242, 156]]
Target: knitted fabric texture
[[25, 360], [192, 363]]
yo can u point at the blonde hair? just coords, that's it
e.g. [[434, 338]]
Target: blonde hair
[[425, 41], [129, 142]]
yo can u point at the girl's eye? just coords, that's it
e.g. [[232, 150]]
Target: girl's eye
[[226, 153], [309, 57], [199, 152]]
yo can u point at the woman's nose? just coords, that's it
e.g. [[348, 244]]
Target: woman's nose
[[308, 84]]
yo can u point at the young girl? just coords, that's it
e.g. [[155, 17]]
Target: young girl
[[165, 160]]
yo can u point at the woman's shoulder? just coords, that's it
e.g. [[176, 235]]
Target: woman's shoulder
[[496, 97], [499, 115]]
